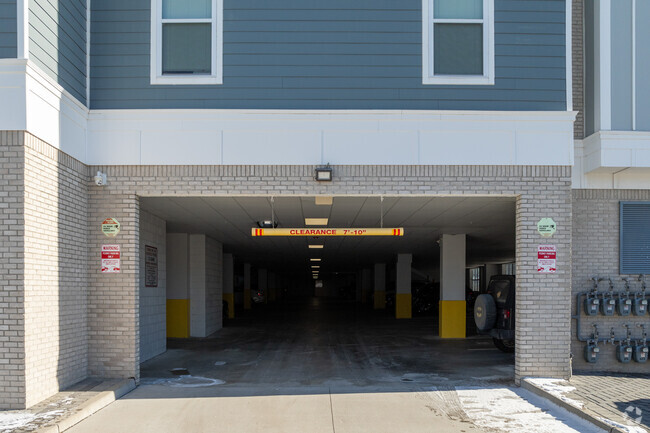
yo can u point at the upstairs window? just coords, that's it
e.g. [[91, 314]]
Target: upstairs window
[[458, 42], [186, 41]]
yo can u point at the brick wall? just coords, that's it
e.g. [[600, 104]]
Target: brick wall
[[596, 253], [12, 323], [577, 36], [542, 191], [153, 325], [44, 264], [56, 354]]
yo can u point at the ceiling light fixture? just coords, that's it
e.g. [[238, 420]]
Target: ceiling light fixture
[[315, 260], [315, 247], [267, 224], [324, 200], [315, 267], [316, 221]]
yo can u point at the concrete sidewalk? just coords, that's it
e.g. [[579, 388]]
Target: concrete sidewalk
[[617, 402], [66, 408]]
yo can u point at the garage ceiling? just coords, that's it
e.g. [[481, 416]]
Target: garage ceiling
[[489, 223]]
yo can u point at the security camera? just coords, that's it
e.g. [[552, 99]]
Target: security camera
[[100, 179]]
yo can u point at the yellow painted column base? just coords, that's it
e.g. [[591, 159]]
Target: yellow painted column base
[[380, 300], [247, 299], [178, 318], [230, 299], [403, 306], [452, 319]]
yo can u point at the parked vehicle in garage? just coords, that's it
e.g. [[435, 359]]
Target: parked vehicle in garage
[[494, 312]]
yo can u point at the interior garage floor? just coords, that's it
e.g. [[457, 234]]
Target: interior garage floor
[[315, 342]]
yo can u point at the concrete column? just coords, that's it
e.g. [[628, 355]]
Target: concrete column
[[491, 270], [229, 284], [380, 286], [366, 285], [247, 286], [403, 286], [263, 283], [452, 317]]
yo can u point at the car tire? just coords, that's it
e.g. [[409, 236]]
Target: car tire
[[507, 346], [485, 312]]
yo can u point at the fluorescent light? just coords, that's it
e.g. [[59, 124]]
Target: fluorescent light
[[314, 260], [316, 221], [324, 200], [312, 246], [315, 267]]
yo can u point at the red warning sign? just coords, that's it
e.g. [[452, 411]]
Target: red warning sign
[[546, 259], [110, 259]]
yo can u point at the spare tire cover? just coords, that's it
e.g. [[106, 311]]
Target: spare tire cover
[[485, 312]]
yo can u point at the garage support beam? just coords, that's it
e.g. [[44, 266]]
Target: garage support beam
[[247, 286], [229, 284], [380, 286], [452, 317], [403, 287]]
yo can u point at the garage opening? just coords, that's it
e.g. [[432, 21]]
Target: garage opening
[[407, 297]]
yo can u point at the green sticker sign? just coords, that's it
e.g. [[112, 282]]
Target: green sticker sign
[[111, 227], [546, 227]]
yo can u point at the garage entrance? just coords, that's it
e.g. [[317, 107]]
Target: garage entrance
[[212, 271]]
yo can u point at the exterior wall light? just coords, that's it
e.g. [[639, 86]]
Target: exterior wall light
[[267, 224], [323, 174]]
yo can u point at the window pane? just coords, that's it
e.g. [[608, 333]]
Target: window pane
[[458, 49], [187, 9], [186, 48], [468, 9]]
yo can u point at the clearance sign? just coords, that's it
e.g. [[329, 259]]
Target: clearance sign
[[328, 232]]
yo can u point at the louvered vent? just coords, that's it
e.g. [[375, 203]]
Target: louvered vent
[[635, 238]]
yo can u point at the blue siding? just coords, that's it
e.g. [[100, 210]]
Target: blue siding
[[333, 54], [57, 42], [8, 29]]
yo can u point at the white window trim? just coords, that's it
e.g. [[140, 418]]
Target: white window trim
[[216, 77], [428, 76]]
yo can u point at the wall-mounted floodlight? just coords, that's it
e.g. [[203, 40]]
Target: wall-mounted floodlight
[[323, 174]]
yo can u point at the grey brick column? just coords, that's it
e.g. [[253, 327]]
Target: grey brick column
[[114, 298], [543, 318], [12, 270]]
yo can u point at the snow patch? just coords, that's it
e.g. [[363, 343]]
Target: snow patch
[[626, 428], [557, 388], [9, 421], [513, 411]]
